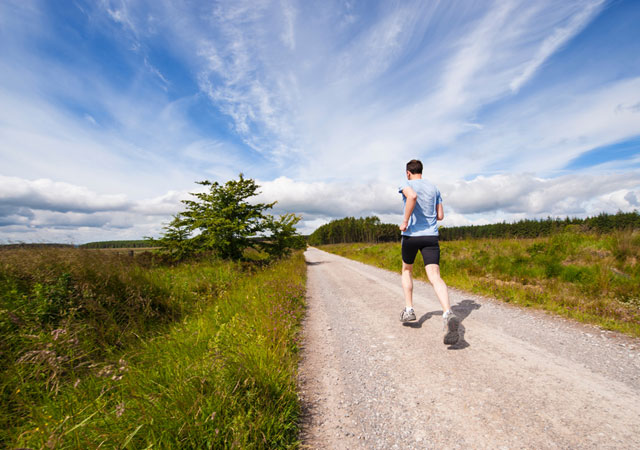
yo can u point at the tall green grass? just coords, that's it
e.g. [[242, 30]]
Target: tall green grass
[[588, 277], [103, 351]]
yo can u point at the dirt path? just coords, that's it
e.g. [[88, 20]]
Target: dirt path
[[517, 379]]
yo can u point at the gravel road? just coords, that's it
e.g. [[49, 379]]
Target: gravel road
[[518, 378]]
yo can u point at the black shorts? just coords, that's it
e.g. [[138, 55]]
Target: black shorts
[[428, 246]]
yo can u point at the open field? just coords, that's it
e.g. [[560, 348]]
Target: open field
[[126, 250], [101, 350], [587, 277]]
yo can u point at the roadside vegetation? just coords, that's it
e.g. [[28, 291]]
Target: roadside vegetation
[[593, 278], [193, 346], [100, 350]]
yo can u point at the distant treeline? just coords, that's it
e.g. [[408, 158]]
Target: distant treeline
[[23, 245], [118, 244], [527, 228], [350, 229], [370, 229]]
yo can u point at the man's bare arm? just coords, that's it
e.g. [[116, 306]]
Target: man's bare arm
[[412, 197], [440, 211]]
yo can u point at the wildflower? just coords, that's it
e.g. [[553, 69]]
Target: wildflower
[[57, 332], [120, 409]]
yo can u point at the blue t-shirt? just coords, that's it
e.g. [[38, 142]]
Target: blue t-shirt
[[424, 218]]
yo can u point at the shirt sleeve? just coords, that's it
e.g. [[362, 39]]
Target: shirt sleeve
[[403, 185], [438, 197]]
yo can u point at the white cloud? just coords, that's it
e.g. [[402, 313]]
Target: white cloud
[[49, 195], [498, 197], [164, 205], [632, 198], [40, 209], [578, 195], [35, 209], [329, 199]]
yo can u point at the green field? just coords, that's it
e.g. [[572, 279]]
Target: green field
[[593, 278], [102, 350]]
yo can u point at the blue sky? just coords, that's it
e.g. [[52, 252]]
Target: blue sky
[[111, 110]]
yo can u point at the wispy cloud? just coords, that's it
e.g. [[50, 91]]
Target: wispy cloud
[[558, 38], [546, 132], [239, 76], [289, 18]]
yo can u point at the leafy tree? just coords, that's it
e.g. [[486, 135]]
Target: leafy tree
[[283, 236], [223, 221], [176, 240]]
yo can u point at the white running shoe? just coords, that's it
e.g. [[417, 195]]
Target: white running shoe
[[407, 316]]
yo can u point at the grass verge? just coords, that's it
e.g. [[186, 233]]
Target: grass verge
[[590, 278], [200, 355]]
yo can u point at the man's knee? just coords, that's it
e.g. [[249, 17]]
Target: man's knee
[[407, 267], [433, 273]]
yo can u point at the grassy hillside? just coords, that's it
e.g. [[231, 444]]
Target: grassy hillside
[[588, 277], [99, 350]]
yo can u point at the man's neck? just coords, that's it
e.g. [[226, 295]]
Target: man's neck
[[415, 176]]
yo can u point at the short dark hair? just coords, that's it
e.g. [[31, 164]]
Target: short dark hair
[[414, 166]]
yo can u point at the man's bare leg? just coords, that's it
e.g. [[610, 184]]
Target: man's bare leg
[[433, 273], [451, 322], [407, 284]]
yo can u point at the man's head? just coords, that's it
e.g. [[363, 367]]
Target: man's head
[[415, 167]]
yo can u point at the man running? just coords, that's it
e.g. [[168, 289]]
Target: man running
[[422, 210]]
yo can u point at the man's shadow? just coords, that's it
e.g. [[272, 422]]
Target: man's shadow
[[422, 319], [314, 263], [461, 310]]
